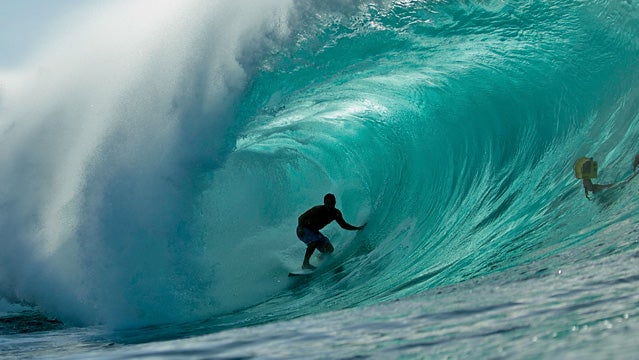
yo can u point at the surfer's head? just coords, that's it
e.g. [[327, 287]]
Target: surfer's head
[[329, 200]]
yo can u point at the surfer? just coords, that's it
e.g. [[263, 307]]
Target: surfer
[[312, 221], [586, 169]]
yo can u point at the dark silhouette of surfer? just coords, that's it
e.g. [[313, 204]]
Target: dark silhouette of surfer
[[586, 169], [312, 221]]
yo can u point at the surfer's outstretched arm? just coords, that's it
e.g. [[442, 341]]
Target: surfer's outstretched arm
[[344, 225]]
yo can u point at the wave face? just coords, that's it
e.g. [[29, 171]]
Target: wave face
[[154, 174]]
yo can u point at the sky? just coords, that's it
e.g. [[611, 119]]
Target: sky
[[27, 24]]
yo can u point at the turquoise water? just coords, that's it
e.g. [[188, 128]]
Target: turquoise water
[[155, 159]]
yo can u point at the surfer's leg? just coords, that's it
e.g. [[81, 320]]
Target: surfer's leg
[[325, 247], [635, 163], [309, 251]]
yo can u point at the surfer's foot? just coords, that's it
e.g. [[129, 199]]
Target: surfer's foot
[[635, 163], [308, 267]]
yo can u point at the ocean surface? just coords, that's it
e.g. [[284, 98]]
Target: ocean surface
[[155, 156]]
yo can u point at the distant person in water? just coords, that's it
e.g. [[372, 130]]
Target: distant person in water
[[586, 169], [312, 221]]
